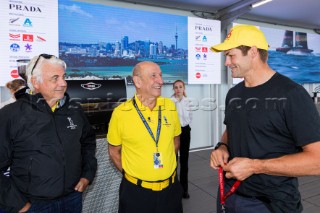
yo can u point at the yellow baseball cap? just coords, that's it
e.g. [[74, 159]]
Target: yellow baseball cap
[[246, 35]]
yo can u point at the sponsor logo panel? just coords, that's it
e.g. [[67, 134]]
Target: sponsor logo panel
[[27, 37]]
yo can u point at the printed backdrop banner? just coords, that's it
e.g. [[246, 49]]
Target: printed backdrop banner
[[103, 42], [204, 66], [29, 28], [106, 42]]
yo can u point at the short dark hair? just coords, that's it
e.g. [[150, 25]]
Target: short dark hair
[[263, 53]]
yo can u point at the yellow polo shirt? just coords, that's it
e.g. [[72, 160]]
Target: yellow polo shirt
[[128, 130]]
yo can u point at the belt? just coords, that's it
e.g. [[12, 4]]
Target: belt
[[154, 186]]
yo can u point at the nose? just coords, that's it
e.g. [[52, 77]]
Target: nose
[[63, 83], [227, 62], [160, 80]]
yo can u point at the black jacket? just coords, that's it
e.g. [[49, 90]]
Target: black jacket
[[48, 152], [21, 93]]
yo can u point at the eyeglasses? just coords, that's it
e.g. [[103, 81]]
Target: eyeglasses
[[46, 56]]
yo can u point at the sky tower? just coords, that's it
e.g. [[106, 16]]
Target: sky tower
[[176, 37]]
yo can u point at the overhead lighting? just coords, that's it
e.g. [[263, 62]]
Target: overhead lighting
[[259, 3]]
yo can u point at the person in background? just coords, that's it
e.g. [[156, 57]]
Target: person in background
[[185, 116], [13, 87], [48, 143], [272, 131], [143, 139]]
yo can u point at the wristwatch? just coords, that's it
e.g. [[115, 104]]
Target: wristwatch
[[221, 144]]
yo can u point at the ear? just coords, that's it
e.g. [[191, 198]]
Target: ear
[[254, 52], [35, 83], [137, 81]]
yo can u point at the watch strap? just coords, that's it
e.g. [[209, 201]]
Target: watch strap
[[221, 144]]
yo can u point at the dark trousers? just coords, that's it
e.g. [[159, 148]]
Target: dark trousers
[[184, 156], [71, 203], [135, 199], [240, 204]]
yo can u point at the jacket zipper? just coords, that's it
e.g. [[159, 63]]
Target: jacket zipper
[[63, 160]]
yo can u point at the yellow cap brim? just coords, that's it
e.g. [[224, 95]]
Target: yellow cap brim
[[224, 46]]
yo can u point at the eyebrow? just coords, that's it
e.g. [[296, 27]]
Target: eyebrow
[[156, 73], [57, 76], [226, 52]]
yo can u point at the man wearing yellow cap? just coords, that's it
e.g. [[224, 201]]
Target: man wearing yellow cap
[[272, 132]]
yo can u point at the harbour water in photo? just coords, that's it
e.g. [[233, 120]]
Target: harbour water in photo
[[171, 71], [301, 68]]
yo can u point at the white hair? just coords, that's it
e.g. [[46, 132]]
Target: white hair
[[37, 70]]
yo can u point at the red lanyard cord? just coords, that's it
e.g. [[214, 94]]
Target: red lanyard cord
[[221, 184]]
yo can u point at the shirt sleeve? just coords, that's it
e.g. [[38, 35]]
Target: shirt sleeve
[[177, 129], [113, 136], [302, 117], [11, 199], [189, 108], [88, 150]]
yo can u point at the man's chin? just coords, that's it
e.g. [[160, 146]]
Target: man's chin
[[60, 96], [157, 95], [235, 75]]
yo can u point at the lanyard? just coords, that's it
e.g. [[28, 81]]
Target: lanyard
[[223, 197], [156, 140]]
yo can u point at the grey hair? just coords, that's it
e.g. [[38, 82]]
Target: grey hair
[[37, 72]]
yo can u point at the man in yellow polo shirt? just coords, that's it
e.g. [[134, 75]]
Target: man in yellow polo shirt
[[143, 139]]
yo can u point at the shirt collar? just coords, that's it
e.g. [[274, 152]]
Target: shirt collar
[[159, 102]]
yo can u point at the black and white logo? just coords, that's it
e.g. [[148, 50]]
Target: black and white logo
[[91, 86], [72, 125]]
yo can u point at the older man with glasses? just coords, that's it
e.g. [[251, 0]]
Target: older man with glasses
[[48, 143]]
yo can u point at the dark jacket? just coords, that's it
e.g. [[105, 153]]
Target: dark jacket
[[21, 93], [48, 152]]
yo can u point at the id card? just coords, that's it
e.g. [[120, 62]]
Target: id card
[[157, 160]]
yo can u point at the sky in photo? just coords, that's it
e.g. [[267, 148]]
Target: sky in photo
[[275, 38], [92, 23]]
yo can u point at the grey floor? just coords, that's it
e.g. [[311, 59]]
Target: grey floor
[[203, 185]]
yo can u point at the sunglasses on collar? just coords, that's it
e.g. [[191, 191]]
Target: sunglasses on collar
[[46, 56]]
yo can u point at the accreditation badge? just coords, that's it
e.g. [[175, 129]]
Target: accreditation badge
[[157, 160]]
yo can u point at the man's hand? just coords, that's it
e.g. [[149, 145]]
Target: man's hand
[[239, 168], [25, 208], [219, 157], [82, 185]]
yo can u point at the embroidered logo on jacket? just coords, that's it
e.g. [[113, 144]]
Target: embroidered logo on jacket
[[72, 125]]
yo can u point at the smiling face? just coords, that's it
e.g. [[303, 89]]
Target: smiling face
[[239, 64], [148, 80], [53, 84]]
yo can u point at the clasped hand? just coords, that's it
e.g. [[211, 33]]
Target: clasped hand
[[238, 168]]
